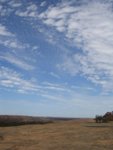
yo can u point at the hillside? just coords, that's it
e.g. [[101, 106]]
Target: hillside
[[9, 120]]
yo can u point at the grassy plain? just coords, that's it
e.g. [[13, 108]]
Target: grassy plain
[[61, 135]]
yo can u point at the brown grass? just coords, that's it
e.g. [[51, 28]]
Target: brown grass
[[63, 135]]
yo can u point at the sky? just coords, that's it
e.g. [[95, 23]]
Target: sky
[[56, 57]]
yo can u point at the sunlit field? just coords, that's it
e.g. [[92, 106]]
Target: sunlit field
[[60, 135]]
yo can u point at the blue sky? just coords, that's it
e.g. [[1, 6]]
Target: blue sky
[[56, 57]]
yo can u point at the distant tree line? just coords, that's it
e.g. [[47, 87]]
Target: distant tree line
[[8, 120], [105, 118]]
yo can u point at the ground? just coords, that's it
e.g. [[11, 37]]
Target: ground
[[61, 135]]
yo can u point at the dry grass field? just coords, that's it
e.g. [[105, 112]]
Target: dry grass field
[[61, 135]]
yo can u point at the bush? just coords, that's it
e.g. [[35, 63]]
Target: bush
[[98, 119], [105, 120]]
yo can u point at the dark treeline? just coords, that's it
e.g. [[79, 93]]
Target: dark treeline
[[105, 118], [9, 120]]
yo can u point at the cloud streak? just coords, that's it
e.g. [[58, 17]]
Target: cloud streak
[[11, 79], [17, 61], [4, 31]]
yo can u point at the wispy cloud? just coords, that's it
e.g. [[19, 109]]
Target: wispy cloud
[[10, 40], [55, 87], [43, 3], [55, 75], [30, 11], [11, 79], [12, 43], [89, 27], [19, 8], [14, 4], [15, 60], [4, 31]]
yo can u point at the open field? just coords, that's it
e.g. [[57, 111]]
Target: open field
[[60, 135]]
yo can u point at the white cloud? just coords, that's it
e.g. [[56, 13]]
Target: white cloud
[[16, 7], [12, 43], [35, 48], [55, 87], [11, 79], [11, 53], [15, 60], [7, 7], [8, 39], [4, 31], [30, 11], [14, 4], [89, 27], [43, 3], [55, 75]]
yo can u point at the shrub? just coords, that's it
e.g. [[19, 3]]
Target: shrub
[[98, 119]]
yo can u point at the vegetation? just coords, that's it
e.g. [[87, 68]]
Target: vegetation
[[105, 118], [99, 119], [6, 120]]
